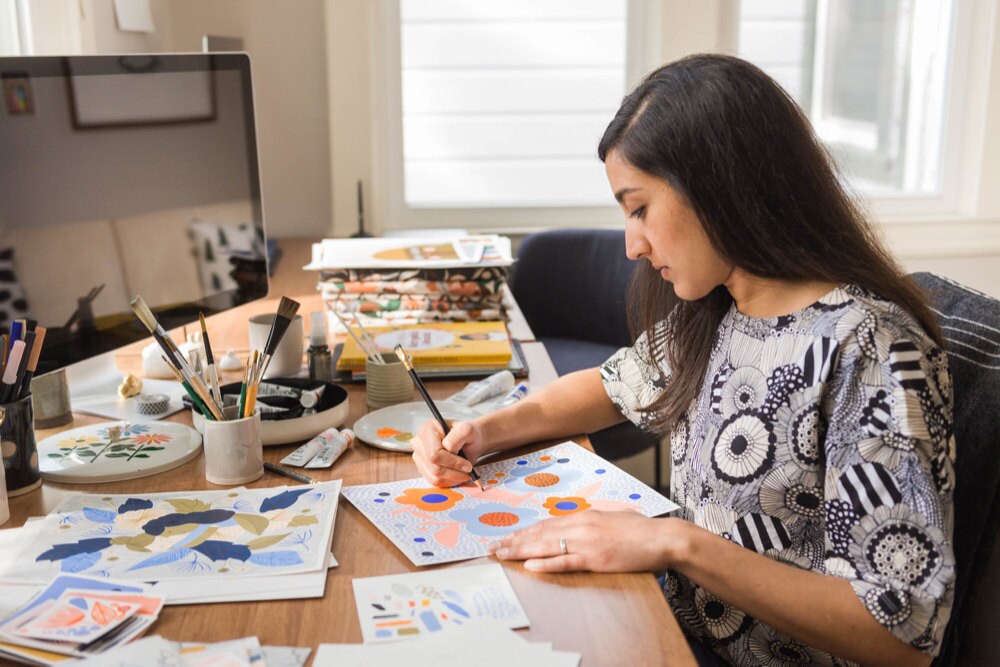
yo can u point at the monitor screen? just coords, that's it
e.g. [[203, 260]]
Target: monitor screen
[[123, 176]]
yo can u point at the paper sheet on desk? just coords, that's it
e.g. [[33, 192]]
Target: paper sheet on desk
[[103, 400]]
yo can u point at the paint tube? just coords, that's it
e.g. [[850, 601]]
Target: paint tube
[[306, 452], [515, 395], [477, 392], [308, 398], [336, 444], [229, 400]]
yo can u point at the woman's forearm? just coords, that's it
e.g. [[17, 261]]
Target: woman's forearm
[[574, 404], [816, 609]]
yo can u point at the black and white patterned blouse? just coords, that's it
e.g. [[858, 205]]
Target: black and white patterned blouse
[[822, 439]]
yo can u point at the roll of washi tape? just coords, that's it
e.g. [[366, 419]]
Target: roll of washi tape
[[152, 404]]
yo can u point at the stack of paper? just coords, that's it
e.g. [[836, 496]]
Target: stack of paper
[[484, 645], [413, 280], [76, 616], [245, 652], [198, 546]]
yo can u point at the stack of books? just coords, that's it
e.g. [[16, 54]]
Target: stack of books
[[406, 280]]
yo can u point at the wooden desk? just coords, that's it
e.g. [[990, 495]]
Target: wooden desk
[[608, 618]]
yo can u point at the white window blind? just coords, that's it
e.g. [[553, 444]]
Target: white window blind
[[873, 77], [503, 103], [10, 42]]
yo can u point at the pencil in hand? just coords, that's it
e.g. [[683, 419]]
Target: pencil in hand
[[401, 353]]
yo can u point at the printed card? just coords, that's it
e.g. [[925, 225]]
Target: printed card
[[77, 618]]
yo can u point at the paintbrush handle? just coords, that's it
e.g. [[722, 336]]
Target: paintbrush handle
[[213, 376]]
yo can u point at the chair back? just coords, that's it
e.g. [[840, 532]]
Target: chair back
[[571, 283], [970, 322]]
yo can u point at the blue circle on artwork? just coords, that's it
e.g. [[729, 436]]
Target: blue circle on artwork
[[419, 539], [434, 498], [383, 493], [522, 463], [426, 553], [380, 500], [600, 471], [562, 460], [566, 505], [634, 496]]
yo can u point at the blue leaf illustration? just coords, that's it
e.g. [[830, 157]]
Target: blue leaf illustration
[[61, 551], [165, 558], [157, 526], [80, 562], [282, 500], [221, 550], [99, 516], [135, 504], [277, 559]]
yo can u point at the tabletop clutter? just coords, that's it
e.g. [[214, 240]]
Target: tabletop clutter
[[88, 580]]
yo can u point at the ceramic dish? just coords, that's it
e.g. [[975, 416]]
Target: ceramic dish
[[85, 456], [332, 410], [392, 427]]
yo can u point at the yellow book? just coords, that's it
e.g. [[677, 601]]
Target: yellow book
[[435, 344]]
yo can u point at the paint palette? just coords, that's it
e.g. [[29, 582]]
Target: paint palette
[[392, 427]]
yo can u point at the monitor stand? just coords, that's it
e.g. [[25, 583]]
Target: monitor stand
[[93, 389]]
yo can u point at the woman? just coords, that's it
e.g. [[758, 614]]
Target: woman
[[794, 367]]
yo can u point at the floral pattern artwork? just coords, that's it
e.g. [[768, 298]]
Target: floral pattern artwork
[[89, 454], [165, 536], [432, 525]]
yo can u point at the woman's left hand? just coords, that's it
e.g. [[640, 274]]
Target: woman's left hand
[[595, 541]]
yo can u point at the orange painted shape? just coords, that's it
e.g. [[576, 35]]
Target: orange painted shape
[[387, 624], [387, 432]]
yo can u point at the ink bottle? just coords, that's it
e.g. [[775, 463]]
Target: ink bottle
[[318, 354]]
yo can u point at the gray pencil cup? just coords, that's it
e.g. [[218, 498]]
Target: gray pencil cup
[[20, 453], [387, 384]]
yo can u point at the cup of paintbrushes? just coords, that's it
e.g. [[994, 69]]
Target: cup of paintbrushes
[[387, 383], [20, 452], [234, 450]]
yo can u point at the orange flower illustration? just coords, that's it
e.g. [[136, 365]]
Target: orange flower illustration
[[560, 506], [430, 500], [151, 439]]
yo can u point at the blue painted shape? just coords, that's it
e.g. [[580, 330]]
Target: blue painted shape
[[222, 550], [80, 562], [566, 505], [99, 516], [430, 621], [419, 539], [158, 525], [282, 500], [61, 551], [455, 608], [79, 603], [434, 498], [562, 460], [600, 471], [634, 496], [165, 558], [276, 559], [380, 633], [135, 504], [454, 596], [380, 500], [522, 463]]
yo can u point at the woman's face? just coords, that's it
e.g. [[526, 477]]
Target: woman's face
[[662, 228]]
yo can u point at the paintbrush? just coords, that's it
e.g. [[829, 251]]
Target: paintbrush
[[160, 335], [372, 354], [286, 311], [371, 341], [213, 373], [29, 370], [10, 372], [430, 404], [198, 403]]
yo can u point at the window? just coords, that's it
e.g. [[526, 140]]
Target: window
[[873, 77], [10, 42], [501, 106]]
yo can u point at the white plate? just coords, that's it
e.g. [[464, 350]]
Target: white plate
[[84, 456], [404, 419]]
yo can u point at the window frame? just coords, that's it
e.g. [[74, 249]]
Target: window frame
[[643, 26]]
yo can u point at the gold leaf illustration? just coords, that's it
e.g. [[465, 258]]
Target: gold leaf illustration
[[201, 538], [170, 531], [188, 505], [302, 520], [252, 523], [266, 541]]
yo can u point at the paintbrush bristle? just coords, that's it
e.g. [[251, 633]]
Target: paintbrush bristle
[[287, 307], [144, 313], [402, 357]]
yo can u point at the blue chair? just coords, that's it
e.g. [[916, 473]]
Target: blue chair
[[970, 322], [570, 284]]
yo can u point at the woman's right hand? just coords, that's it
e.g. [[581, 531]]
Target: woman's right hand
[[436, 455]]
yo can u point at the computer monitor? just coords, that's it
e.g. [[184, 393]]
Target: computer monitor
[[126, 175]]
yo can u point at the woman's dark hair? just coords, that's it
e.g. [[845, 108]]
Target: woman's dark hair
[[732, 142]]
